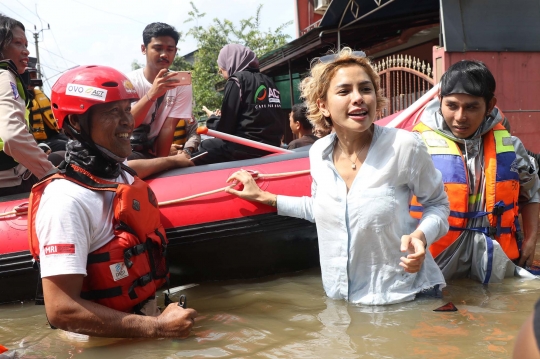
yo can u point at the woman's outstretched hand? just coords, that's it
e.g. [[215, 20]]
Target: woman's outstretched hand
[[251, 190]]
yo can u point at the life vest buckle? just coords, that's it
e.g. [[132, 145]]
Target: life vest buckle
[[498, 209], [144, 280], [133, 251], [492, 231], [139, 282]]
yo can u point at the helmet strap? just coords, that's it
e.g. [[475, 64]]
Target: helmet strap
[[85, 153]]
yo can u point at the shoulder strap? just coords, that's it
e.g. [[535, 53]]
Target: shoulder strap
[[128, 169], [158, 103]]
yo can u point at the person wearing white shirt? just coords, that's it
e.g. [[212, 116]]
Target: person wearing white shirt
[[97, 278], [371, 250], [163, 101]]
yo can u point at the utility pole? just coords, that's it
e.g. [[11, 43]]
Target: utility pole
[[36, 40]]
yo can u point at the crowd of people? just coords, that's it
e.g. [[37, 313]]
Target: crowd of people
[[397, 213]]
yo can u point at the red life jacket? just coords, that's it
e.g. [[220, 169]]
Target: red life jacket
[[132, 266], [502, 188]]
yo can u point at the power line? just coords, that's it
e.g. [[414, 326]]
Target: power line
[[27, 8], [59, 72], [52, 68], [20, 16], [52, 53], [54, 37], [112, 13], [58, 47]]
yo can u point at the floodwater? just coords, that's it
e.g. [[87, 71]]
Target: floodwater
[[289, 316]]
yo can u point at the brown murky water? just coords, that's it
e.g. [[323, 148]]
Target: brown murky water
[[290, 317]]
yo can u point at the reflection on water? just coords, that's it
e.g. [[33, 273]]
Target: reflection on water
[[290, 317]]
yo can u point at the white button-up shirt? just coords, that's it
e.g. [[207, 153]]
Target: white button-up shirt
[[360, 230]]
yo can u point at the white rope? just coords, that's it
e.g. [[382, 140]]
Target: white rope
[[166, 203], [19, 210], [256, 177], [183, 199], [5, 214]]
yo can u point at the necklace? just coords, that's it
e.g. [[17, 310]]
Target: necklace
[[353, 163]]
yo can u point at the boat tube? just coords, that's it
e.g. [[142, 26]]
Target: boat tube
[[213, 236]]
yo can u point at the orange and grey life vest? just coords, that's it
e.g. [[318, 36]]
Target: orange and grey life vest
[[130, 268], [41, 119], [501, 194], [180, 133]]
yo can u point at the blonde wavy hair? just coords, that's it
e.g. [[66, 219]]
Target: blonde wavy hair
[[316, 85]]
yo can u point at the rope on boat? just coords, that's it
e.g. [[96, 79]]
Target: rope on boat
[[255, 174], [18, 210], [22, 209]]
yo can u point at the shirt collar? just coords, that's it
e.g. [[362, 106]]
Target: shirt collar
[[328, 145]]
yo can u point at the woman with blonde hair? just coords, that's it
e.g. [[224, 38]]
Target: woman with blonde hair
[[364, 176]]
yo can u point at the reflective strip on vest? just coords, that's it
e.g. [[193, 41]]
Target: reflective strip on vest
[[502, 187]]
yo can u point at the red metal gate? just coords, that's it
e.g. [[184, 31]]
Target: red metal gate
[[404, 79]]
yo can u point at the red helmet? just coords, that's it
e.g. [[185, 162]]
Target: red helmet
[[82, 87]]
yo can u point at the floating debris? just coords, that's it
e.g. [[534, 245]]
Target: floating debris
[[448, 307]]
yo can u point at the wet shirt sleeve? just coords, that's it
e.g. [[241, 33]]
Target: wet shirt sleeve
[[62, 226], [425, 181], [299, 207]]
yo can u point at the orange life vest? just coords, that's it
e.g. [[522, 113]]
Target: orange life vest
[[502, 188], [132, 266]]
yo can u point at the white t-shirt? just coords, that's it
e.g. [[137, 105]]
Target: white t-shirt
[[71, 222], [176, 103]]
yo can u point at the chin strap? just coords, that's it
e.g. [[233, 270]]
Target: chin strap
[[89, 157]]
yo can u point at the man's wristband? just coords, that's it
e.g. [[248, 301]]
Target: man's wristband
[[188, 150], [149, 99], [273, 202]]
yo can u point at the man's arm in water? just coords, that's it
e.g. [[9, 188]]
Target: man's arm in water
[[68, 311]]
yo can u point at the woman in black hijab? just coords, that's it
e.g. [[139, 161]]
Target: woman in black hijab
[[251, 108]]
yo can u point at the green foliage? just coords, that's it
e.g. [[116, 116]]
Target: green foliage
[[210, 40], [135, 65], [180, 64]]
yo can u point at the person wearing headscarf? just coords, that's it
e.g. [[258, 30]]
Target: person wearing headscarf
[[251, 108], [488, 176]]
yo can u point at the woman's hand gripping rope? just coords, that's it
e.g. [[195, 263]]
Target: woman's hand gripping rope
[[251, 190]]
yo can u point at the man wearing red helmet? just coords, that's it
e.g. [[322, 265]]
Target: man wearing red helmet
[[94, 226]]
